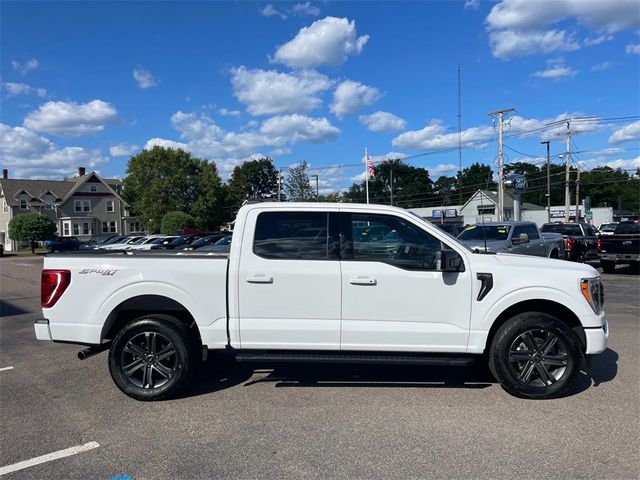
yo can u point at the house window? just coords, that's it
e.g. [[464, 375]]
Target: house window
[[82, 205], [108, 227], [5, 207], [109, 205], [134, 227], [86, 228], [112, 227], [94, 188], [65, 229], [76, 228], [48, 205], [23, 205]]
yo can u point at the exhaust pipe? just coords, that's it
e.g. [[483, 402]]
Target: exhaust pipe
[[91, 351]]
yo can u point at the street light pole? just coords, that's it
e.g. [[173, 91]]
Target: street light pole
[[548, 183], [317, 190]]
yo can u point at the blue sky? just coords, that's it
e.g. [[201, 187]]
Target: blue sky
[[89, 83]]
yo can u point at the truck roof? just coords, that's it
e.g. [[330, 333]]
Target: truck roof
[[320, 206]]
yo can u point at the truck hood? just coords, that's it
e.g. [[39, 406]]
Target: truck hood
[[526, 262], [492, 245]]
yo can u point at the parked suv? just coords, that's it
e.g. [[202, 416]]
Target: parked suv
[[62, 244]]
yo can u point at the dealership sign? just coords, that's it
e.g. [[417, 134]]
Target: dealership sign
[[448, 213]]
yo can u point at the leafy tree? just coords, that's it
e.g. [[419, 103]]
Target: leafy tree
[[472, 178], [412, 186], [162, 180], [334, 197], [297, 185], [253, 180], [173, 221], [31, 227], [444, 189]]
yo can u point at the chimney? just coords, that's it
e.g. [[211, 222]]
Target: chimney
[[81, 171], [5, 173]]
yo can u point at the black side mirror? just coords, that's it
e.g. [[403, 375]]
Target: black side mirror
[[449, 261]]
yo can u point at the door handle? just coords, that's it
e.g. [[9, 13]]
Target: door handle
[[363, 280], [259, 278]]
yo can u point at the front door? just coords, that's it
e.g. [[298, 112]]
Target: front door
[[289, 281], [393, 298]]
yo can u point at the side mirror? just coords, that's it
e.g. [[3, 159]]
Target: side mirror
[[448, 261], [523, 238]]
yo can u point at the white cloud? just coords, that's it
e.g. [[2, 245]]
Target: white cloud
[[329, 41], [633, 48], [15, 89], [268, 92], [383, 122], [351, 97], [303, 9], [25, 67], [628, 164], [29, 155], [123, 150], [225, 112], [471, 4], [597, 40], [521, 27], [295, 128], [162, 142], [627, 133], [600, 67], [70, 118], [556, 71], [144, 78], [271, 11], [192, 125], [442, 169]]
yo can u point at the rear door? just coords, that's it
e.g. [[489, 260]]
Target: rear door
[[289, 280]]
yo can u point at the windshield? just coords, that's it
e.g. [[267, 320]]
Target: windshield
[[224, 240], [562, 229], [139, 241], [489, 232], [627, 228], [204, 241], [608, 227]]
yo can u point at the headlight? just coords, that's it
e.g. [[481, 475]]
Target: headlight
[[593, 292]]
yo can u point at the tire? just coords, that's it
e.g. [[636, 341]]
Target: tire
[[518, 360], [608, 266], [159, 353], [554, 254]]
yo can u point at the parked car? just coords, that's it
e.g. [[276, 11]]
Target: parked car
[[623, 247], [95, 241], [579, 239], [183, 241], [122, 244], [607, 228], [201, 242], [109, 241], [62, 244], [522, 238], [222, 245], [276, 297]]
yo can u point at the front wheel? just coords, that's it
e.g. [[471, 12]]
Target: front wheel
[[151, 357], [534, 355]]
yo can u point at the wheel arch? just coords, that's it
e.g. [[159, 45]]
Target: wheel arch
[[147, 304], [549, 307]]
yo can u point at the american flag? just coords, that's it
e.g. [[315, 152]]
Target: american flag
[[370, 169]]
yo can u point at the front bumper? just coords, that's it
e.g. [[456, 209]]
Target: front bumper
[[43, 332], [596, 339]]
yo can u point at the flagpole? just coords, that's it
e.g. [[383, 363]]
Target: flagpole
[[366, 171]]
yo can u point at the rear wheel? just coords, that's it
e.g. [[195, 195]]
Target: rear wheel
[[608, 266], [151, 357], [534, 355]]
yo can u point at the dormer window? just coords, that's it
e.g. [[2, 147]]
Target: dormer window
[[23, 205], [48, 205], [93, 188]]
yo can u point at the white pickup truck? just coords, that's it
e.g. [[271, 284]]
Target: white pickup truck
[[312, 283]]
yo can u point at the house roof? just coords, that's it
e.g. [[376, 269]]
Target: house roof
[[37, 189]]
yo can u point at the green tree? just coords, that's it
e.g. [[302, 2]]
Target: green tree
[[253, 180], [31, 227], [297, 185], [173, 221], [475, 177], [162, 180], [412, 186], [444, 189]]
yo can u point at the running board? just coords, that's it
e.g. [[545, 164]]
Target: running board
[[360, 358]]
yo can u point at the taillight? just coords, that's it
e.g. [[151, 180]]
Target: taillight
[[599, 245], [569, 244], [53, 283]]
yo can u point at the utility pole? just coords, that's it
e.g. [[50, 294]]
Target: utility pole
[[391, 182], [500, 115], [316, 176], [567, 164], [459, 124], [578, 195], [548, 182], [280, 185]]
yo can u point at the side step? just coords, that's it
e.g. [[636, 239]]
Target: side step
[[355, 357]]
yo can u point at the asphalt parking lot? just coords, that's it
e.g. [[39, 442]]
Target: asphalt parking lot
[[312, 422]]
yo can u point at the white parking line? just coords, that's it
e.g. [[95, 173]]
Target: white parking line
[[5, 368], [48, 457]]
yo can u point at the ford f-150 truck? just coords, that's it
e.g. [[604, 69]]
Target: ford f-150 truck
[[301, 283], [621, 247]]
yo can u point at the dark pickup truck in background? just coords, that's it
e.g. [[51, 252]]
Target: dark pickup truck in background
[[579, 239], [623, 247]]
